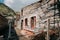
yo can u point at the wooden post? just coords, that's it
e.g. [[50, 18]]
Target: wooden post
[[48, 25]]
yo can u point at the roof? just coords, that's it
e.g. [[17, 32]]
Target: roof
[[32, 4], [5, 10]]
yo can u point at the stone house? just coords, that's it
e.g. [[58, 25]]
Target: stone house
[[34, 17]]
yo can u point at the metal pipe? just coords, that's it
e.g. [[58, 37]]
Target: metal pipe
[[9, 35]]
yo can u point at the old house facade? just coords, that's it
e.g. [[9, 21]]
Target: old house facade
[[29, 18], [34, 17]]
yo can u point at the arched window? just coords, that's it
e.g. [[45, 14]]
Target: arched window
[[26, 22], [33, 22], [21, 24]]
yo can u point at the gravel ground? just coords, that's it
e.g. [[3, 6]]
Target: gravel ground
[[23, 38]]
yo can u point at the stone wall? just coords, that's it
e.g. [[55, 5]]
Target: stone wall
[[43, 12]]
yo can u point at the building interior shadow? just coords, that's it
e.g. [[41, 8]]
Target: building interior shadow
[[13, 35]]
